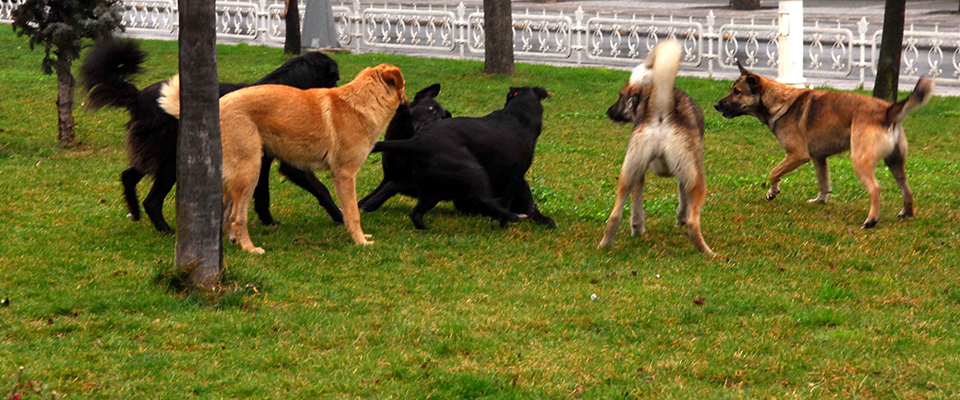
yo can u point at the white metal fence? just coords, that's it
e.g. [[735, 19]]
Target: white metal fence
[[832, 49]]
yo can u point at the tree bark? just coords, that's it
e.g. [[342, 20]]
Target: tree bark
[[891, 45], [745, 4], [65, 83], [199, 185], [291, 45], [498, 40]]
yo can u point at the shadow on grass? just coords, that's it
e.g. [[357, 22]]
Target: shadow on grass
[[230, 292]]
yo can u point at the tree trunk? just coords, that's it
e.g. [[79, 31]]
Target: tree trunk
[[199, 185], [291, 45], [891, 45], [498, 41], [65, 84], [745, 4]]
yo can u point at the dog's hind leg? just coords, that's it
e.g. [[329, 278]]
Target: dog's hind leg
[[153, 205], [261, 195], [896, 161], [864, 154], [634, 166], [823, 180], [424, 204], [309, 182], [637, 215], [130, 178], [696, 193], [240, 188], [683, 208]]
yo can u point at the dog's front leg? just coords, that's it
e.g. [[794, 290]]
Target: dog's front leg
[[345, 183], [823, 180], [790, 162]]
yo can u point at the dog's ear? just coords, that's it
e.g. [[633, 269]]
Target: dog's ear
[[513, 92], [430, 92], [542, 93], [446, 114], [752, 80], [391, 76], [743, 71]]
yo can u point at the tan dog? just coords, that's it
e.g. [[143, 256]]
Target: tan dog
[[667, 138], [815, 124], [311, 129]]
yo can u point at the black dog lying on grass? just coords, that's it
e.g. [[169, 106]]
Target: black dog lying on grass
[[107, 73], [397, 168], [478, 163]]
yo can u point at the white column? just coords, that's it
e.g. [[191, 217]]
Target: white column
[[790, 43]]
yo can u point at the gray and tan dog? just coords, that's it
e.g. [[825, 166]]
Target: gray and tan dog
[[667, 139], [815, 124]]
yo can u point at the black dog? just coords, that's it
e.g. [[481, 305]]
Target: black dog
[[479, 163], [152, 134], [397, 168]]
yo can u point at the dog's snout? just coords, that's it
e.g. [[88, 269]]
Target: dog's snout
[[718, 105]]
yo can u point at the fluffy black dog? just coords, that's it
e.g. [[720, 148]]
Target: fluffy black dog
[[479, 163], [397, 168], [107, 73]]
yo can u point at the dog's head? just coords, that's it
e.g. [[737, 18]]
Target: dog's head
[[527, 92], [425, 108], [393, 81], [311, 70], [744, 96], [631, 104]]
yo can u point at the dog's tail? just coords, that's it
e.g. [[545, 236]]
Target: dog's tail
[[921, 94], [170, 96], [407, 146], [659, 71], [106, 73]]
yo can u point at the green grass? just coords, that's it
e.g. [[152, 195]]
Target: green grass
[[802, 303]]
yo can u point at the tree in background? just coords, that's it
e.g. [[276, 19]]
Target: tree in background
[[60, 27], [199, 185], [891, 45], [498, 40], [291, 16]]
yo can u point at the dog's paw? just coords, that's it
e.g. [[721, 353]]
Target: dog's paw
[[606, 243], [817, 200], [366, 243], [905, 214], [367, 236], [772, 194], [638, 231], [256, 250], [870, 223]]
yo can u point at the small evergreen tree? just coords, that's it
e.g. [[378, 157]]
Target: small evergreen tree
[[60, 27]]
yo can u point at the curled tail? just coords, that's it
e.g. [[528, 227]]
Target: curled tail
[[107, 70], [659, 71], [170, 97], [921, 93]]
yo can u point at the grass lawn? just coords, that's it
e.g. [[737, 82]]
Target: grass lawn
[[802, 303]]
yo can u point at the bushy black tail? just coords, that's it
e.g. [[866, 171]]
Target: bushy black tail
[[107, 70]]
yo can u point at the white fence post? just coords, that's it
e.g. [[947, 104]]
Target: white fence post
[[790, 42]]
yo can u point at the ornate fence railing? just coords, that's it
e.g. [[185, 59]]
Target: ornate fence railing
[[832, 50]]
